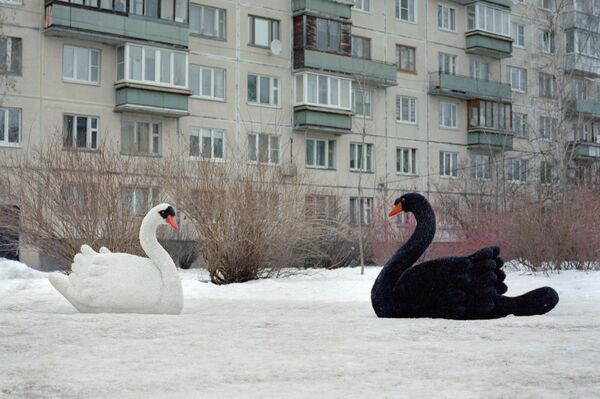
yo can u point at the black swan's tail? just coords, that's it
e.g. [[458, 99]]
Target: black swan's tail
[[536, 302]]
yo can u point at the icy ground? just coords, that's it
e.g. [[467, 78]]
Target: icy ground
[[305, 336]]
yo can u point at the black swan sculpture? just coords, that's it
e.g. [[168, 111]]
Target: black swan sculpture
[[462, 288]]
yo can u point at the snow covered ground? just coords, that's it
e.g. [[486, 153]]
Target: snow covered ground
[[305, 336]]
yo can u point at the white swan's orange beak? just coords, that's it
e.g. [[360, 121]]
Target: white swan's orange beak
[[171, 220], [397, 209]]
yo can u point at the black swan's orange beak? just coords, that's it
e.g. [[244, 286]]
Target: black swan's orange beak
[[397, 209], [171, 220]]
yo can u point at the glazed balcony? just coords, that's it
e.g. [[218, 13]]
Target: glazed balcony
[[376, 73], [115, 25], [467, 88], [332, 8], [581, 64], [486, 138], [581, 20], [585, 150]]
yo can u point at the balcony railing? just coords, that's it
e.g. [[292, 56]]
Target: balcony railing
[[467, 88]]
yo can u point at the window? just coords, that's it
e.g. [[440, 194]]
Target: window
[[448, 164], [579, 89], [362, 5], [406, 109], [263, 148], [517, 33], [137, 200], [406, 10], [547, 4], [406, 161], [80, 132], [323, 90], [328, 34], [75, 195], [519, 124], [207, 82], [174, 10], [447, 63], [151, 65], [15, 2], [207, 21], [10, 126], [517, 170], [361, 209], [361, 157], [478, 69], [547, 176], [320, 207], [482, 16], [320, 153], [517, 78], [406, 58], [547, 42], [447, 115], [140, 138], [263, 90], [262, 31], [480, 167], [583, 42], [361, 47], [362, 102], [206, 143], [489, 114], [547, 127], [11, 55], [546, 85], [81, 64], [446, 17]]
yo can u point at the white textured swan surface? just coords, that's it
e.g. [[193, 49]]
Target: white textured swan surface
[[106, 282]]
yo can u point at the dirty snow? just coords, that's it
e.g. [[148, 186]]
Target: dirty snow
[[311, 335]]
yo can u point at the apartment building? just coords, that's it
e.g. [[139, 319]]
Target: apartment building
[[397, 94]]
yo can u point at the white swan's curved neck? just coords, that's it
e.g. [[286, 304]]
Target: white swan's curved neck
[[161, 258]]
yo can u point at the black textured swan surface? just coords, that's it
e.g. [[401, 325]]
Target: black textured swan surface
[[460, 287]]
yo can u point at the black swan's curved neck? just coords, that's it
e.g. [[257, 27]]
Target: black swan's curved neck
[[423, 235]]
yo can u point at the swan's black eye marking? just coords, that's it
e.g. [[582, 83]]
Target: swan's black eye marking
[[167, 212]]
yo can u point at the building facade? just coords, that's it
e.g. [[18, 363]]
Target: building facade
[[397, 94]]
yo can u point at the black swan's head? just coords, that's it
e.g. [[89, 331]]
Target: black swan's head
[[410, 202], [167, 212]]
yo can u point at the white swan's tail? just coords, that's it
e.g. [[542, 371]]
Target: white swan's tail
[[61, 283]]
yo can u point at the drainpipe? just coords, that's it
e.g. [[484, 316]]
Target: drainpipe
[[237, 87], [428, 150]]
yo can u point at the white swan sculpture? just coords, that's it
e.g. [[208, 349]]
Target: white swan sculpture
[[108, 282]]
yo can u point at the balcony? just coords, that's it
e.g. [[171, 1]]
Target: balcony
[[590, 108], [466, 88], [336, 9], [376, 73], [488, 44], [502, 3], [490, 139], [580, 20], [132, 97], [585, 150], [108, 26], [582, 64], [314, 119]]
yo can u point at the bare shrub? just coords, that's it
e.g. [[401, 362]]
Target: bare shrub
[[68, 198]]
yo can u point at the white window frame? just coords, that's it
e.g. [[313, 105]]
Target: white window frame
[[547, 5], [329, 157], [444, 108], [547, 175], [362, 155], [517, 32], [90, 130], [547, 41], [522, 74], [340, 92], [481, 168], [406, 157], [5, 111], [362, 5], [476, 69], [273, 34], [364, 94], [547, 127], [312, 209], [446, 17], [201, 70], [213, 134], [546, 84], [129, 194], [74, 78], [448, 164], [447, 63], [271, 149], [158, 54], [520, 170], [8, 61], [364, 210], [488, 22], [152, 151], [406, 101], [220, 16], [519, 119], [274, 90], [12, 2], [411, 10]]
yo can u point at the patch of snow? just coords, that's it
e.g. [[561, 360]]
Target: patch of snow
[[309, 335], [10, 269]]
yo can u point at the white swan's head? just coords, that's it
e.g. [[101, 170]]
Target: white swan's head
[[162, 214]]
